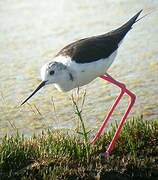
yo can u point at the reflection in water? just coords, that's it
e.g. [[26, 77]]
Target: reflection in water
[[32, 32]]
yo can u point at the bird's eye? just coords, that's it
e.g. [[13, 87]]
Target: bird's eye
[[51, 72]]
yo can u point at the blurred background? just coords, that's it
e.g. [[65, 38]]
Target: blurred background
[[33, 31]]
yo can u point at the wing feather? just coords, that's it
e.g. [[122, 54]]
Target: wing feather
[[97, 47]]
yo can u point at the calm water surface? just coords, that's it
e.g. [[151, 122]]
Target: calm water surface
[[32, 32]]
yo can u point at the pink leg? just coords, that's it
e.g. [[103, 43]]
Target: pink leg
[[117, 100], [131, 103]]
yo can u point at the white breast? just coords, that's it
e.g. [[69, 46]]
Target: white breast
[[83, 73], [89, 71]]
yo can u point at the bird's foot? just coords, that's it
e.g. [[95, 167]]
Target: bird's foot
[[105, 155]]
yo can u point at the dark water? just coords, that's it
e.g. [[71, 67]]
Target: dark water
[[31, 32]]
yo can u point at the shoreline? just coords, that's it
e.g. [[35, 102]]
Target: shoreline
[[61, 155]]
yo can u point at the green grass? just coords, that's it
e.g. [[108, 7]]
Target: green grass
[[63, 155]]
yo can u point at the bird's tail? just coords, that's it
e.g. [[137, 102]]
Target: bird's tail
[[134, 19], [123, 30], [128, 25], [120, 33]]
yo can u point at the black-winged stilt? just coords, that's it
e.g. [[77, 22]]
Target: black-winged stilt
[[82, 61]]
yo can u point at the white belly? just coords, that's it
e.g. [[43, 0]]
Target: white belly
[[87, 72], [83, 73]]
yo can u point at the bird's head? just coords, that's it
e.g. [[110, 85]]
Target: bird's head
[[51, 73]]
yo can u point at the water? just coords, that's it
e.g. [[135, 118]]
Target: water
[[32, 32]]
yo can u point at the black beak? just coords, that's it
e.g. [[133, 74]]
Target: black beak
[[38, 88]]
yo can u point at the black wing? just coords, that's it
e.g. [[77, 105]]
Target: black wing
[[94, 48]]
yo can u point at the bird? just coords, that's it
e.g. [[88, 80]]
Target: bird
[[84, 60]]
